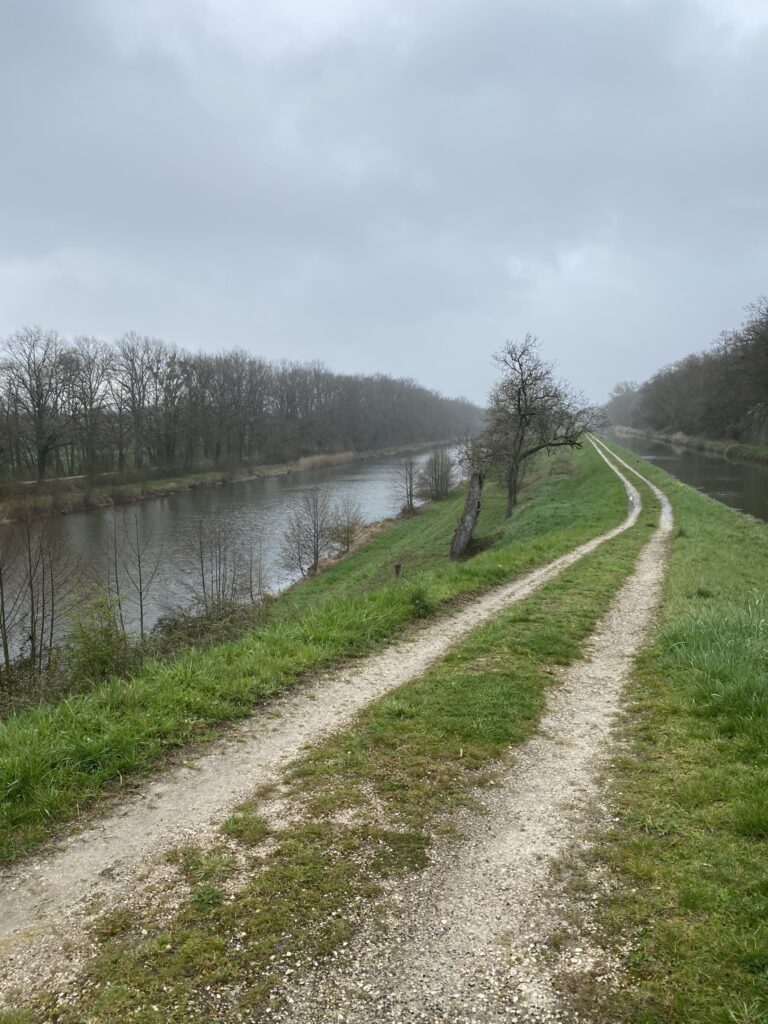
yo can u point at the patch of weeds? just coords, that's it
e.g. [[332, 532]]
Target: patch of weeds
[[206, 897], [557, 940], [116, 922], [202, 865], [246, 826]]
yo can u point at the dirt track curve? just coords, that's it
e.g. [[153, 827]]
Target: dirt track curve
[[468, 941], [48, 900]]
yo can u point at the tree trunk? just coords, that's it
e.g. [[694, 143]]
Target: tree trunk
[[469, 516], [512, 482]]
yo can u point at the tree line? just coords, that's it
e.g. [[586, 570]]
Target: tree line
[[82, 406], [720, 393]]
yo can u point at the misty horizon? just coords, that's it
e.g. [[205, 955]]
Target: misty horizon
[[388, 189]]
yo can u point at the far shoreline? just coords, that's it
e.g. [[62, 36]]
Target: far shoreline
[[66, 495]]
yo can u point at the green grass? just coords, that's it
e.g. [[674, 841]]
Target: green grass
[[56, 759], [691, 847], [373, 798]]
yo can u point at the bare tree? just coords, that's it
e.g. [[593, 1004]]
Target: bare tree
[[530, 410], [404, 486], [435, 478], [309, 534], [111, 567], [226, 568], [50, 582], [33, 377], [348, 521], [141, 566], [11, 593], [93, 365]]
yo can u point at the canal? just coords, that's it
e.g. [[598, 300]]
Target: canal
[[742, 485], [259, 509]]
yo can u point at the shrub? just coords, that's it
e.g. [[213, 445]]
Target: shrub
[[97, 648]]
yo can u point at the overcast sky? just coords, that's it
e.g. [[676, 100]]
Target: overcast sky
[[388, 185]]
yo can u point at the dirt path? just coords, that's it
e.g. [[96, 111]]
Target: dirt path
[[47, 901], [468, 941]]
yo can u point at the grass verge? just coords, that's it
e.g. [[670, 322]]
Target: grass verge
[[55, 759], [691, 846], [370, 799]]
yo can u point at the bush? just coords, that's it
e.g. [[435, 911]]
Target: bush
[[97, 648]]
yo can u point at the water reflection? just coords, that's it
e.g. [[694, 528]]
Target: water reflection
[[742, 485], [259, 507]]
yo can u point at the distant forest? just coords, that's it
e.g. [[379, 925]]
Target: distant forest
[[721, 393], [83, 406]]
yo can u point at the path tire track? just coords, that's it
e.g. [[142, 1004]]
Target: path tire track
[[466, 942], [48, 899]]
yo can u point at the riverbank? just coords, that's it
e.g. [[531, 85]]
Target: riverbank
[[724, 449], [78, 494], [287, 888], [56, 759]]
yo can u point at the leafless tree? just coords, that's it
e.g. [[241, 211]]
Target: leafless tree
[[92, 368], [530, 411], [11, 592], [50, 584], [110, 566], [435, 478], [140, 564], [33, 378], [348, 521], [404, 484], [226, 568], [309, 534]]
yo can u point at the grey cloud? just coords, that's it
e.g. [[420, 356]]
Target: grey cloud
[[383, 185]]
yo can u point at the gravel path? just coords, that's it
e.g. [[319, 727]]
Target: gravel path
[[468, 940], [48, 900]]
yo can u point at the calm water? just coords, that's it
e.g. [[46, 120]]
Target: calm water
[[259, 507], [742, 485]]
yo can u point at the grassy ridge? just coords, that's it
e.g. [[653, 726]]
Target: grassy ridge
[[373, 796], [55, 759], [692, 845]]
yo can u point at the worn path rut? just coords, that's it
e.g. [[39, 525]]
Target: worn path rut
[[468, 941], [47, 899]]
